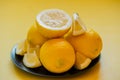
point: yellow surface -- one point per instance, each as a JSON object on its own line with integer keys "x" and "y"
{"x": 16, "y": 16}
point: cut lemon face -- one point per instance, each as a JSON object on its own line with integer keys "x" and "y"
{"x": 78, "y": 27}
{"x": 21, "y": 48}
{"x": 31, "y": 60}
{"x": 53, "y": 23}
{"x": 81, "y": 61}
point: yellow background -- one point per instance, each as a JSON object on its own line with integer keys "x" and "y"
{"x": 16, "y": 16}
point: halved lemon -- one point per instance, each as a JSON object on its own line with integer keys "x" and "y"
{"x": 53, "y": 23}
{"x": 78, "y": 26}
{"x": 31, "y": 60}
{"x": 81, "y": 61}
{"x": 21, "y": 47}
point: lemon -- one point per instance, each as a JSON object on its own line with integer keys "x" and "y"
{"x": 89, "y": 43}
{"x": 31, "y": 48}
{"x": 53, "y": 23}
{"x": 78, "y": 26}
{"x": 21, "y": 47}
{"x": 34, "y": 37}
{"x": 31, "y": 60}
{"x": 81, "y": 61}
{"x": 57, "y": 55}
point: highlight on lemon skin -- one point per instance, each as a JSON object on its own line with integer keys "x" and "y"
{"x": 53, "y": 23}
{"x": 57, "y": 55}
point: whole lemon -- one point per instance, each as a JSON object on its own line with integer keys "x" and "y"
{"x": 57, "y": 55}
{"x": 34, "y": 37}
{"x": 89, "y": 43}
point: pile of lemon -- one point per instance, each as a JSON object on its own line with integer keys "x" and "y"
{"x": 58, "y": 42}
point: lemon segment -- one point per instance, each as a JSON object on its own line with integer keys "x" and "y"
{"x": 81, "y": 61}
{"x": 31, "y": 48}
{"x": 53, "y": 23}
{"x": 31, "y": 60}
{"x": 21, "y": 48}
{"x": 78, "y": 26}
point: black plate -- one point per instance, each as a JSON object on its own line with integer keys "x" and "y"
{"x": 41, "y": 71}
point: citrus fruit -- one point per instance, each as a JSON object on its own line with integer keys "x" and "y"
{"x": 31, "y": 48}
{"x": 81, "y": 61}
{"x": 21, "y": 47}
{"x": 89, "y": 43}
{"x": 31, "y": 60}
{"x": 57, "y": 55}
{"x": 78, "y": 26}
{"x": 53, "y": 23}
{"x": 34, "y": 37}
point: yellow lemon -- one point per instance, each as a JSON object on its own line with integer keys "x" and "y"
{"x": 31, "y": 60}
{"x": 57, "y": 55}
{"x": 81, "y": 61}
{"x": 78, "y": 26}
{"x": 21, "y": 47}
{"x": 53, "y": 23}
{"x": 31, "y": 48}
{"x": 89, "y": 43}
{"x": 34, "y": 37}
